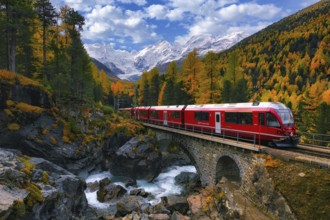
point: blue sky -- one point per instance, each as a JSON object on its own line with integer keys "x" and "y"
{"x": 135, "y": 24}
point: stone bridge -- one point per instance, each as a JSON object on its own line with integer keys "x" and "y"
{"x": 213, "y": 157}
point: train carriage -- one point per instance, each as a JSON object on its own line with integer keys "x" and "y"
{"x": 268, "y": 122}
{"x": 141, "y": 113}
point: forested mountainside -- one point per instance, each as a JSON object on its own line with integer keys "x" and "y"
{"x": 39, "y": 43}
{"x": 288, "y": 61}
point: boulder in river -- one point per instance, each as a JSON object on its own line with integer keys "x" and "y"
{"x": 128, "y": 204}
{"x": 176, "y": 203}
{"x": 189, "y": 181}
{"x": 110, "y": 192}
{"x": 139, "y": 158}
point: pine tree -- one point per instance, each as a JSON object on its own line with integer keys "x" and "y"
{"x": 46, "y": 13}
{"x": 227, "y": 91}
{"x": 192, "y": 68}
{"x": 212, "y": 74}
{"x": 322, "y": 119}
{"x": 154, "y": 86}
{"x": 17, "y": 20}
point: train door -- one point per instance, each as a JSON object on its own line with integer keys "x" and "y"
{"x": 165, "y": 117}
{"x": 218, "y": 122}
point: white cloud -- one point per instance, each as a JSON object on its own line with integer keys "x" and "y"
{"x": 306, "y": 3}
{"x": 175, "y": 15}
{"x": 235, "y": 12}
{"x": 247, "y": 17}
{"x": 137, "y": 2}
{"x": 156, "y": 11}
{"x": 106, "y": 21}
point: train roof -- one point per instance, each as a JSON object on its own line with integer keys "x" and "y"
{"x": 168, "y": 107}
{"x": 245, "y": 105}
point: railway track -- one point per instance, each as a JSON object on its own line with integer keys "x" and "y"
{"x": 322, "y": 152}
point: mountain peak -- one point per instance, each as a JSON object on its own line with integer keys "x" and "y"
{"x": 130, "y": 65}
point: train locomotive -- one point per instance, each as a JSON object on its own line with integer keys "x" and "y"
{"x": 270, "y": 123}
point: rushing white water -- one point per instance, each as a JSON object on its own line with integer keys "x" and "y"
{"x": 163, "y": 185}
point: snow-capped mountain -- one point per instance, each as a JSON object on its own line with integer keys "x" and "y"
{"x": 130, "y": 65}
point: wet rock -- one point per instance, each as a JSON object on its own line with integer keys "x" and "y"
{"x": 177, "y": 158}
{"x": 178, "y": 216}
{"x": 104, "y": 182}
{"x": 139, "y": 192}
{"x": 176, "y": 203}
{"x": 127, "y": 205}
{"x": 160, "y": 208}
{"x": 60, "y": 193}
{"x": 159, "y": 217}
{"x": 195, "y": 203}
{"x": 137, "y": 159}
{"x": 189, "y": 181}
{"x": 130, "y": 182}
{"x": 93, "y": 186}
{"x": 110, "y": 192}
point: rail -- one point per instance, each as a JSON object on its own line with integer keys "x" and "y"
{"x": 231, "y": 134}
{"x": 314, "y": 139}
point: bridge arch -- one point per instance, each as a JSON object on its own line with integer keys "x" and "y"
{"x": 228, "y": 166}
{"x": 212, "y": 160}
{"x": 166, "y": 139}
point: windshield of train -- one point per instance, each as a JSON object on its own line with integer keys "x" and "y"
{"x": 286, "y": 117}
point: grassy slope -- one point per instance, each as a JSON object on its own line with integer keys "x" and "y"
{"x": 309, "y": 195}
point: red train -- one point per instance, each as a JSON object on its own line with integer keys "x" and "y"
{"x": 270, "y": 123}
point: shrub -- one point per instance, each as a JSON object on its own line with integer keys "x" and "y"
{"x": 24, "y": 107}
{"x": 13, "y": 127}
{"x": 12, "y": 78}
{"x": 53, "y": 140}
{"x": 66, "y": 139}
{"x": 19, "y": 209}
{"x": 9, "y": 113}
{"x": 35, "y": 194}
{"x": 44, "y": 177}
{"x": 74, "y": 128}
{"x": 28, "y": 166}
{"x": 45, "y": 131}
{"x": 10, "y": 103}
{"x": 108, "y": 110}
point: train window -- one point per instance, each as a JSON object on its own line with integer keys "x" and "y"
{"x": 201, "y": 116}
{"x": 239, "y": 118}
{"x": 175, "y": 114}
{"x": 143, "y": 113}
{"x": 286, "y": 117}
{"x": 245, "y": 118}
{"x": 231, "y": 117}
{"x": 272, "y": 120}
{"x": 154, "y": 114}
{"x": 261, "y": 118}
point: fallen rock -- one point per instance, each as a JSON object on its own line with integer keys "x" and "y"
{"x": 137, "y": 159}
{"x": 139, "y": 192}
{"x": 110, "y": 192}
{"x": 93, "y": 186}
{"x": 178, "y": 216}
{"x": 189, "y": 181}
{"x": 127, "y": 205}
{"x": 176, "y": 203}
{"x": 195, "y": 203}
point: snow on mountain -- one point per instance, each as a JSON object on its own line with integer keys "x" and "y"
{"x": 130, "y": 65}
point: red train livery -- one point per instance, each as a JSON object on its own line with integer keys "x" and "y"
{"x": 267, "y": 122}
